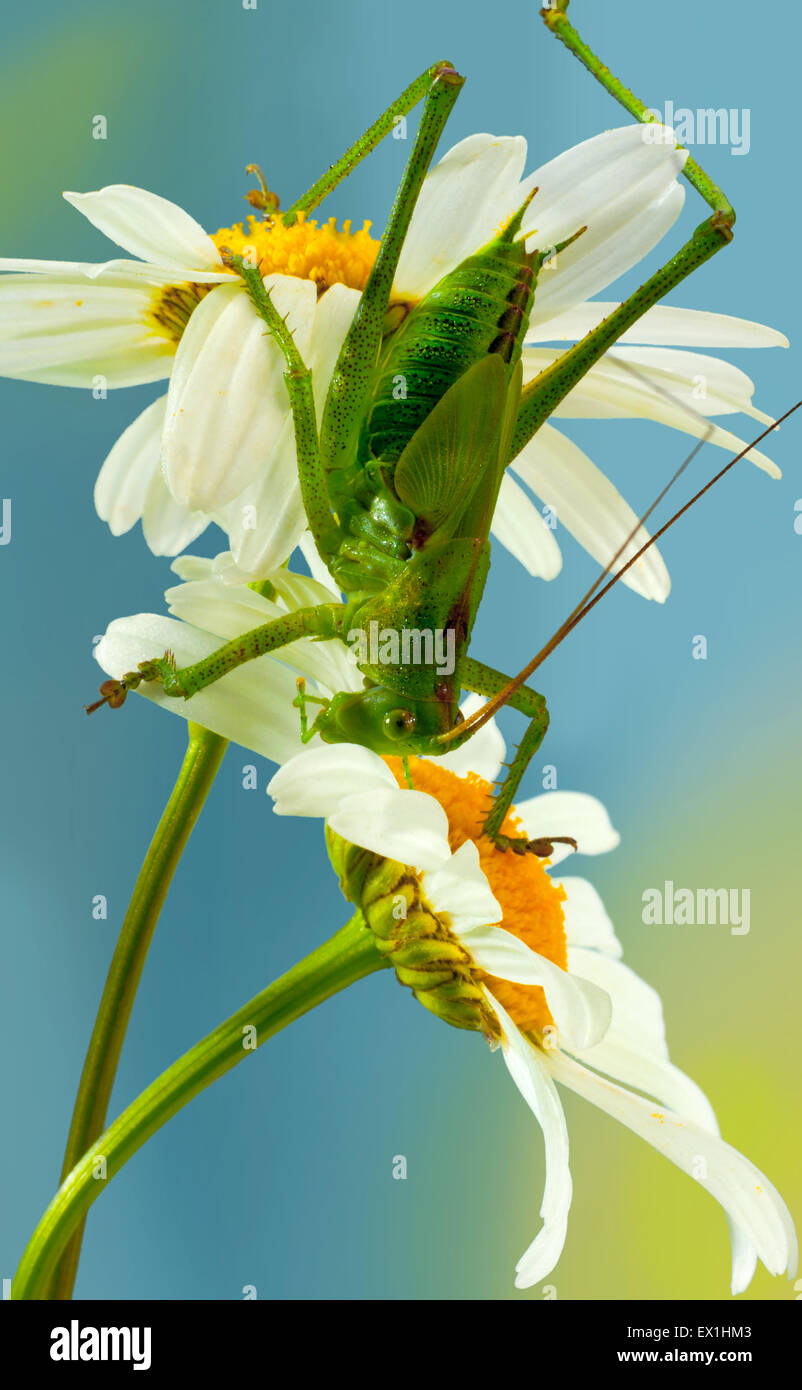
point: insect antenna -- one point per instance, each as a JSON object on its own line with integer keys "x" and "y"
{"x": 591, "y": 598}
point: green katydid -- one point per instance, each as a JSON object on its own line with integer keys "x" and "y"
{"x": 399, "y": 494}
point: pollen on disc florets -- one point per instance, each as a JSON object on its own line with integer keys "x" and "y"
{"x": 171, "y": 307}
{"x": 531, "y": 903}
{"x": 309, "y": 251}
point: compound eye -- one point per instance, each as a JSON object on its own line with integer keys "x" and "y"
{"x": 399, "y": 724}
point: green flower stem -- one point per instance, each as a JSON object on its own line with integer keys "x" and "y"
{"x": 198, "y": 771}
{"x": 348, "y": 956}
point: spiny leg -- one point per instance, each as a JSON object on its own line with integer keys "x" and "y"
{"x": 298, "y": 379}
{"x": 541, "y": 397}
{"x": 352, "y": 377}
{"x": 484, "y": 680}
{"x": 323, "y": 621}
{"x": 364, "y": 145}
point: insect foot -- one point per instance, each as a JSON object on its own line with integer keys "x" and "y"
{"x": 542, "y": 847}
{"x": 114, "y": 692}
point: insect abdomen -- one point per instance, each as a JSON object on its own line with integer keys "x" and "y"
{"x": 483, "y": 306}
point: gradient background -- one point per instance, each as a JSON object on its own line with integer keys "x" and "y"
{"x": 281, "y": 1175}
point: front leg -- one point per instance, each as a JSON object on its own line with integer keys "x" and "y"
{"x": 323, "y": 621}
{"x": 484, "y": 680}
{"x": 540, "y": 397}
{"x": 298, "y": 380}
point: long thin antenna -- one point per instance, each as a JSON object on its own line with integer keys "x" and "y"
{"x": 475, "y": 721}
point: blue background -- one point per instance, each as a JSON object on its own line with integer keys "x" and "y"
{"x": 280, "y": 1176}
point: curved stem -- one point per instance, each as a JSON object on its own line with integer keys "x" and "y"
{"x": 349, "y": 955}
{"x": 198, "y": 771}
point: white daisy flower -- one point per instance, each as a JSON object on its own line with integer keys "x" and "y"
{"x": 220, "y": 445}
{"x": 561, "y": 1002}
{"x": 253, "y": 706}
{"x": 537, "y": 957}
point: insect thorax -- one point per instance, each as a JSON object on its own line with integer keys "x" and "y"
{"x": 481, "y": 307}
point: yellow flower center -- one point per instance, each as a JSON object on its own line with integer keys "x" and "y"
{"x": 308, "y": 251}
{"x": 171, "y": 306}
{"x": 530, "y": 902}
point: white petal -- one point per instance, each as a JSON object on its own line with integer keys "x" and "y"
{"x": 580, "y": 1009}
{"x": 743, "y": 1191}
{"x": 586, "y": 920}
{"x": 588, "y": 505}
{"x": 228, "y": 399}
{"x": 251, "y": 706}
{"x": 148, "y": 226}
{"x": 668, "y": 1085}
{"x": 61, "y": 330}
{"x": 231, "y": 609}
{"x": 267, "y": 520}
{"x": 460, "y": 890}
{"x": 464, "y": 200}
{"x": 637, "y": 1007}
{"x": 317, "y": 569}
{"x": 540, "y": 1093}
{"x": 575, "y": 814}
{"x": 707, "y": 385}
{"x": 167, "y": 526}
{"x": 521, "y": 529}
{"x": 122, "y": 274}
{"x": 662, "y": 325}
{"x": 318, "y": 780}
{"x": 484, "y": 751}
{"x": 609, "y": 391}
{"x": 123, "y": 481}
{"x": 624, "y": 190}
{"x": 405, "y": 825}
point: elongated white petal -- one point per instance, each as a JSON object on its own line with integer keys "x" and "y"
{"x": 464, "y": 200}
{"x": 151, "y": 273}
{"x": 148, "y": 226}
{"x": 664, "y": 1081}
{"x": 743, "y": 1191}
{"x": 588, "y": 505}
{"x": 707, "y": 385}
{"x": 267, "y": 520}
{"x": 460, "y": 890}
{"x": 231, "y": 609}
{"x": 483, "y": 753}
{"x": 521, "y": 529}
{"x": 227, "y": 399}
{"x": 251, "y": 706}
{"x": 580, "y": 1009}
{"x": 405, "y": 825}
{"x": 123, "y": 481}
{"x": 586, "y": 920}
{"x": 663, "y": 325}
{"x": 575, "y": 814}
{"x": 637, "y": 1007}
{"x": 317, "y": 569}
{"x": 538, "y": 1090}
{"x": 61, "y": 330}
{"x": 317, "y": 781}
{"x": 609, "y": 391}
{"x": 299, "y": 590}
{"x": 167, "y": 526}
{"x": 624, "y": 190}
